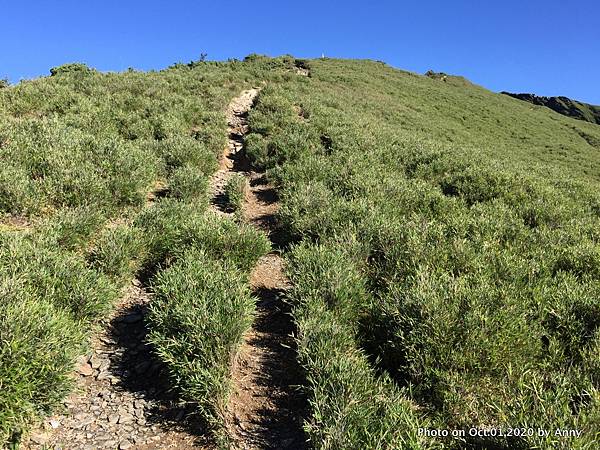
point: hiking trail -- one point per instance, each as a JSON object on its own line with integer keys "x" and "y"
{"x": 122, "y": 397}
{"x": 266, "y": 406}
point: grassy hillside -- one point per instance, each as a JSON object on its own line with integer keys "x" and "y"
{"x": 104, "y": 176}
{"x": 447, "y": 261}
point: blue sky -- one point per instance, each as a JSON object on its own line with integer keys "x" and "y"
{"x": 549, "y": 47}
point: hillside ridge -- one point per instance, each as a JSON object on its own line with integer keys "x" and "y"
{"x": 562, "y": 105}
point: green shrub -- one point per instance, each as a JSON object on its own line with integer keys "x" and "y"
{"x": 351, "y": 406}
{"x": 173, "y": 227}
{"x": 118, "y": 252}
{"x": 62, "y": 279}
{"x": 72, "y": 68}
{"x": 235, "y": 191}
{"x": 180, "y": 151}
{"x": 70, "y": 228}
{"x": 197, "y": 318}
{"x": 39, "y": 345}
{"x": 189, "y": 183}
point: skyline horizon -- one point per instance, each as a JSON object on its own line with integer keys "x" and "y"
{"x": 208, "y": 59}
{"x": 541, "y": 47}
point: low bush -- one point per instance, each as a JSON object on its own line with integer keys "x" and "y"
{"x": 235, "y": 191}
{"x": 189, "y": 183}
{"x": 62, "y": 279}
{"x": 173, "y": 228}
{"x": 352, "y": 407}
{"x": 180, "y": 151}
{"x": 72, "y": 68}
{"x": 200, "y": 311}
{"x": 39, "y": 343}
{"x": 118, "y": 252}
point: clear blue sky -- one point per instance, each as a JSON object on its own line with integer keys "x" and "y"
{"x": 549, "y": 47}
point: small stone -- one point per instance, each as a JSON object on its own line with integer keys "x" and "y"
{"x": 139, "y": 404}
{"x": 124, "y": 444}
{"x": 39, "y": 439}
{"x": 87, "y": 421}
{"x": 84, "y": 369}
{"x": 104, "y": 365}
{"x": 113, "y": 418}
{"x": 95, "y": 362}
{"x": 54, "y": 423}
{"x": 103, "y": 376}
{"x": 125, "y": 418}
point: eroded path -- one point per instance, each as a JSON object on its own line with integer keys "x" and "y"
{"x": 266, "y": 406}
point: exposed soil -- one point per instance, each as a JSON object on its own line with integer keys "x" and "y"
{"x": 237, "y": 113}
{"x": 15, "y": 223}
{"x": 266, "y": 406}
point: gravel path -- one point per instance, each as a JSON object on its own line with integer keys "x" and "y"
{"x": 121, "y": 399}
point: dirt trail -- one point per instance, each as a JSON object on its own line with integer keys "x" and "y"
{"x": 266, "y": 407}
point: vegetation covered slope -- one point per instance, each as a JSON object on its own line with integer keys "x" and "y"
{"x": 103, "y": 176}
{"x": 563, "y": 105}
{"x": 446, "y": 258}
{"x": 447, "y": 266}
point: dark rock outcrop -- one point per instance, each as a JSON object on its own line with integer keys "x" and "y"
{"x": 563, "y": 105}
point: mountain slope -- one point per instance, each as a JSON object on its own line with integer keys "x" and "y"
{"x": 441, "y": 243}
{"x": 447, "y": 259}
